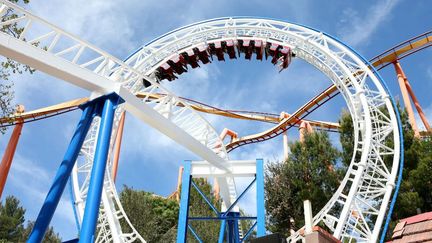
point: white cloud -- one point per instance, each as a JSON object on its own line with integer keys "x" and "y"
{"x": 358, "y": 27}
{"x": 95, "y": 21}
{"x": 34, "y": 174}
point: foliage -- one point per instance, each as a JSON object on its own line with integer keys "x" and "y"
{"x": 310, "y": 172}
{"x": 346, "y": 131}
{"x": 50, "y": 235}
{"x": 9, "y": 66}
{"x": 11, "y": 220}
{"x": 12, "y": 224}
{"x": 208, "y": 231}
{"x": 6, "y": 97}
{"x": 416, "y": 189}
{"x": 154, "y": 217}
{"x": 421, "y": 178}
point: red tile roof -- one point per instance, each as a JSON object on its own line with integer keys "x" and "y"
{"x": 414, "y": 229}
{"x": 418, "y": 218}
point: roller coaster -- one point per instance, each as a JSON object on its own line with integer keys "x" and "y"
{"x": 356, "y": 211}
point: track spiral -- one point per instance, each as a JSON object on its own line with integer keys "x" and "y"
{"x": 356, "y": 210}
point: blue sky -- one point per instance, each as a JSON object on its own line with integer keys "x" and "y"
{"x": 149, "y": 160}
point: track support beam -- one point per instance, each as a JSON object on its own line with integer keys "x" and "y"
{"x": 230, "y": 218}
{"x": 184, "y": 203}
{"x": 63, "y": 173}
{"x": 91, "y": 212}
{"x": 9, "y": 154}
{"x": 407, "y": 92}
{"x": 90, "y": 110}
{"x": 117, "y": 145}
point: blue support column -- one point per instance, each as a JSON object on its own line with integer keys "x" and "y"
{"x": 260, "y": 198}
{"x": 63, "y": 173}
{"x": 233, "y": 228}
{"x": 222, "y": 231}
{"x": 229, "y": 230}
{"x": 184, "y": 203}
{"x": 91, "y": 211}
{"x": 236, "y": 229}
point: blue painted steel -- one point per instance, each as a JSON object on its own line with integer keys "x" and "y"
{"x": 205, "y": 198}
{"x": 240, "y": 196}
{"x": 399, "y": 179}
{"x": 222, "y": 231}
{"x": 194, "y": 234}
{"x": 233, "y": 228}
{"x": 184, "y": 203}
{"x": 91, "y": 212}
{"x": 401, "y": 139}
{"x": 260, "y": 198}
{"x": 229, "y": 220}
{"x": 230, "y": 231}
{"x": 63, "y": 173}
{"x": 248, "y": 232}
{"x": 236, "y": 230}
{"x": 223, "y": 218}
{"x": 361, "y": 57}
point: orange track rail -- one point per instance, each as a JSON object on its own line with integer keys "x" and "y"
{"x": 201, "y": 107}
{"x": 396, "y": 53}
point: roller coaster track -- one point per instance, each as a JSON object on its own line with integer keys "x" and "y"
{"x": 72, "y": 105}
{"x": 402, "y": 50}
{"x": 63, "y": 55}
{"x": 357, "y": 209}
{"x": 42, "y": 113}
{"x": 380, "y": 61}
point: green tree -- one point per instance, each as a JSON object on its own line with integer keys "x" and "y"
{"x": 416, "y": 188}
{"x": 50, "y": 235}
{"x": 154, "y": 217}
{"x": 12, "y": 224}
{"x": 311, "y": 172}
{"x": 346, "y": 137}
{"x": 9, "y": 66}
{"x": 208, "y": 231}
{"x": 11, "y": 220}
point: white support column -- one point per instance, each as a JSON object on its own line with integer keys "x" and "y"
{"x": 285, "y": 145}
{"x": 308, "y": 216}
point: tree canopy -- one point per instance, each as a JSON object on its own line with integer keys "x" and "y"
{"x": 11, "y": 220}
{"x": 310, "y": 172}
{"x": 155, "y": 217}
{"x": 12, "y": 227}
{"x": 9, "y": 67}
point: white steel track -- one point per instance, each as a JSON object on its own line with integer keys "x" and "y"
{"x": 355, "y": 211}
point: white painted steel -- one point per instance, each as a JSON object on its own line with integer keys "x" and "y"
{"x": 239, "y": 168}
{"x": 355, "y": 211}
{"x": 364, "y": 193}
{"x": 99, "y": 72}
